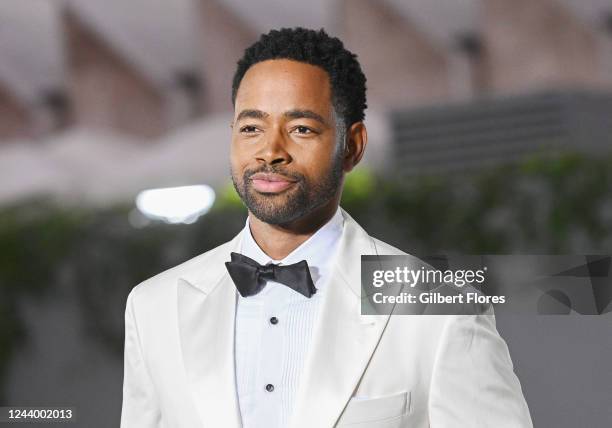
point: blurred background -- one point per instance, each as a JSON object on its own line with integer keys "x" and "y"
{"x": 490, "y": 125}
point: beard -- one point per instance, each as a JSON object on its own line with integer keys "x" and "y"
{"x": 297, "y": 201}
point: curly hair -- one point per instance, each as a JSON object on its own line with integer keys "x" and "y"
{"x": 348, "y": 83}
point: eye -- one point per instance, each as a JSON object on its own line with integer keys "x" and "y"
{"x": 303, "y": 130}
{"x": 248, "y": 129}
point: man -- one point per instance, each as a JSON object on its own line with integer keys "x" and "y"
{"x": 266, "y": 330}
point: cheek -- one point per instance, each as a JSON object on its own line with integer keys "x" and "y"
{"x": 318, "y": 163}
{"x": 237, "y": 168}
{"x": 234, "y": 149}
{"x": 238, "y": 155}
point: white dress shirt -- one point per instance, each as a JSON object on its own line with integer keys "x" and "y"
{"x": 274, "y": 327}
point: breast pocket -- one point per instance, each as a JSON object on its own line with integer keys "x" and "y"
{"x": 389, "y": 411}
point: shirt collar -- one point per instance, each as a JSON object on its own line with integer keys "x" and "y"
{"x": 316, "y": 250}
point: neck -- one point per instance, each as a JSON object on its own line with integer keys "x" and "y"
{"x": 278, "y": 241}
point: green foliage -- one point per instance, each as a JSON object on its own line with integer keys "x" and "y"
{"x": 358, "y": 187}
{"x": 561, "y": 205}
{"x": 544, "y": 205}
{"x": 228, "y": 198}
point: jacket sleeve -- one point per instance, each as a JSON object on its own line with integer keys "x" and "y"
{"x": 140, "y": 407}
{"x": 473, "y": 382}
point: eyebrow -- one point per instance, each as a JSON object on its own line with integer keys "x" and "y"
{"x": 291, "y": 114}
{"x": 305, "y": 114}
{"x": 253, "y": 114}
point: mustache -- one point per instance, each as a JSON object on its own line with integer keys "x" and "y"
{"x": 273, "y": 170}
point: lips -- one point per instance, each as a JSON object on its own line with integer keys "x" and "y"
{"x": 271, "y": 183}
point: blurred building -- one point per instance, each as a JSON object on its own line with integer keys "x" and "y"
{"x": 534, "y": 44}
{"x": 222, "y": 37}
{"x": 539, "y": 83}
{"x": 145, "y": 72}
{"x": 404, "y": 67}
{"x": 491, "y": 131}
{"x": 105, "y": 90}
{"x": 14, "y": 121}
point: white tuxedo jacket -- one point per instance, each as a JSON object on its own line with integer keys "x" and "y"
{"x": 439, "y": 371}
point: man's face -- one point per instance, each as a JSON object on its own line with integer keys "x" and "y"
{"x": 285, "y": 160}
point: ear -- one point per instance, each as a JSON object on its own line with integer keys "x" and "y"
{"x": 356, "y": 141}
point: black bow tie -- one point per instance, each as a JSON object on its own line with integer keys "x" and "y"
{"x": 250, "y": 277}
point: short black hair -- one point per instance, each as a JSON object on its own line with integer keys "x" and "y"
{"x": 348, "y": 83}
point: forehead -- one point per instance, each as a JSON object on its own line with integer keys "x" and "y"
{"x": 282, "y": 85}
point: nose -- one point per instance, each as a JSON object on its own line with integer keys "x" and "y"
{"x": 274, "y": 149}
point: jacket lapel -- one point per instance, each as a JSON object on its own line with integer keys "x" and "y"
{"x": 342, "y": 343}
{"x": 206, "y": 309}
{"x": 343, "y": 340}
